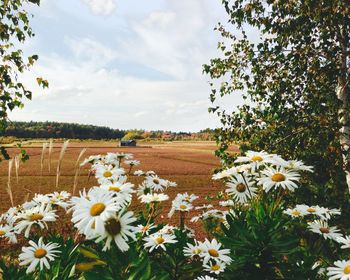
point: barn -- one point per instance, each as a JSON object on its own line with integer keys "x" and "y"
{"x": 127, "y": 143}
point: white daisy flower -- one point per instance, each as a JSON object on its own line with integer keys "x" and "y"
{"x": 194, "y": 251}
{"x": 156, "y": 240}
{"x": 63, "y": 195}
{"x": 138, "y": 173}
{"x": 107, "y": 173}
{"x": 180, "y": 205}
{"x": 241, "y": 188}
{"x": 38, "y": 254}
{"x": 156, "y": 183}
{"x": 59, "y": 198}
{"x": 321, "y": 227}
{"x": 212, "y": 252}
{"x": 295, "y": 212}
{"x": 186, "y": 197}
{"x": 116, "y": 158}
{"x": 144, "y": 229}
{"x": 341, "y": 271}
{"x": 118, "y": 228}
{"x": 215, "y": 268}
{"x": 41, "y": 199}
{"x": 91, "y": 159}
{"x": 38, "y": 215}
{"x": 167, "y": 229}
{"x": 257, "y": 159}
{"x": 312, "y": 210}
{"x": 156, "y": 197}
{"x": 92, "y": 211}
{"x": 345, "y": 241}
{"x": 297, "y": 165}
{"x": 233, "y": 171}
{"x": 279, "y": 177}
{"x": 7, "y": 232}
{"x": 122, "y": 190}
{"x": 132, "y": 162}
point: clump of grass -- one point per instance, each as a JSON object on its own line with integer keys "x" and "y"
{"x": 50, "y": 153}
{"x": 77, "y": 170}
{"x": 60, "y": 159}
{"x": 9, "y": 188}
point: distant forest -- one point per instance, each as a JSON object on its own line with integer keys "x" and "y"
{"x": 81, "y": 131}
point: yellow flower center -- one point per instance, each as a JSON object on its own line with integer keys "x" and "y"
{"x": 241, "y": 187}
{"x": 36, "y": 217}
{"x": 183, "y": 207}
{"x": 196, "y": 251}
{"x": 324, "y": 230}
{"x": 97, "y": 209}
{"x": 2, "y": 233}
{"x": 311, "y": 210}
{"x": 215, "y": 267}
{"x": 40, "y": 253}
{"x": 347, "y": 270}
{"x": 113, "y": 227}
{"x": 214, "y": 253}
{"x": 278, "y": 177}
{"x": 107, "y": 174}
{"x": 115, "y": 189}
{"x": 160, "y": 240}
{"x": 296, "y": 213}
{"x": 257, "y": 158}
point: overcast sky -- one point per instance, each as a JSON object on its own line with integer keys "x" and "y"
{"x": 124, "y": 63}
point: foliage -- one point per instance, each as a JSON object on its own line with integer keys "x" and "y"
{"x": 292, "y": 71}
{"x": 14, "y": 30}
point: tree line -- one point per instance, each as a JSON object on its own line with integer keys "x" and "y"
{"x": 48, "y": 129}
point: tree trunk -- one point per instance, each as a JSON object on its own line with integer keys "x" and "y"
{"x": 343, "y": 94}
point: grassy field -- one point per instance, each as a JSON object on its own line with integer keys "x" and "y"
{"x": 190, "y": 164}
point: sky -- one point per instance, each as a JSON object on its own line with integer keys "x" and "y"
{"x": 126, "y": 64}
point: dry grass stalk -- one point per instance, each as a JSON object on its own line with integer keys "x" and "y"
{"x": 77, "y": 170}
{"x": 9, "y": 189}
{"x": 50, "y": 153}
{"x": 60, "y": 159}
{"x": 45, "y": 145}
{"x": 26, "y": 198}
{"x": 17, "y": 163}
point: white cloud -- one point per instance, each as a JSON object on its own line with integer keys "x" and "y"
{"x": 101, "y": 7}
{"x": 90, "y": 50}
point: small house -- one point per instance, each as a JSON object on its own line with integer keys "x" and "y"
{"x": 127, "y": 143}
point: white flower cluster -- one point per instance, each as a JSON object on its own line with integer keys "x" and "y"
{"x": 35, "y": 214}
{"x": 259, "y": 169}
{"x": 182, "y": 203}
{"x": 214, "y": 259}
{"x": 321, "y": 227}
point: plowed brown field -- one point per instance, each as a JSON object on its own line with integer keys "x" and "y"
{"x": 190, "y": 164}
